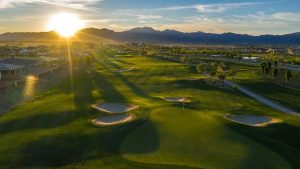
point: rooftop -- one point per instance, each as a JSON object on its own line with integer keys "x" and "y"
{"x": 19, "y": 61}
{"x": 4, "y": 66}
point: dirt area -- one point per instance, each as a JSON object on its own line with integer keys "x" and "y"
{"x": 252, "y": 120}
{"x": 177, "y": 99}
{"x": 113, "y": 120}
{"x": 114, "y": 107}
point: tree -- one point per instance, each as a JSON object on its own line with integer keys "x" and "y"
{"x": 288, "y": 75}
{"x": 263, "y": 66}
{"x": 275, "y": 72}
{"x": 183, "y": 59}
{"x": 221, "y": 77}
{"x": 212, "y": 73}
{"x": 87, "y": 60}
{"x": 275, "y": 63}
{"x": 200, "y": 68}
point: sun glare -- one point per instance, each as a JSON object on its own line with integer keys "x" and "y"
{"x": 65, "y": 24}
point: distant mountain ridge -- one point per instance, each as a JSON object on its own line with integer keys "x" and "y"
{"x": 150, "y": 35}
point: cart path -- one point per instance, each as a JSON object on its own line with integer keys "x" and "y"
{"x": 263, "y": 100}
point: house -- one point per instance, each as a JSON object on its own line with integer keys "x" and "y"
{"x": 14, "y": 68}
{"x": 270, "y": 51}
{"x": 290, "y": 51}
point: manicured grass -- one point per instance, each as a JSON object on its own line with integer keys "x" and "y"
{"x": 54, "y": 131}
{"x": 196, "y": 138}
{"x": 283, "y": 95}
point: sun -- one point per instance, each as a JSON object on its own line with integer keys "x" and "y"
{"x": 66, "y": 24}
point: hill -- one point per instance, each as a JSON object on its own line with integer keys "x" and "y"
{"x": 150, "y": 35}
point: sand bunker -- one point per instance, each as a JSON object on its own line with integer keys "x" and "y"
{"x": 252, "y": 120}
{"x": 114, "y": 107}
{"x": 178, "y": 99}
{"x": 113, "y": 120}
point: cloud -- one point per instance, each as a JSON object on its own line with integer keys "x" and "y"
{"x": 212, "y": 8}
{"x": 287, "y": 16}
{"x": 75, "y": 4}
{"x": 105, "y": 20}
{"x": 149, "y": 17}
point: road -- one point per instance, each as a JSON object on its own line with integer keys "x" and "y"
{"x": 255, "y": 96}
{"x": 263, "y": 100}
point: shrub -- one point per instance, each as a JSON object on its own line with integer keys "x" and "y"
{"x": 221, "y": 77}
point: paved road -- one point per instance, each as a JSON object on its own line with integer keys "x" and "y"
{"x": 263, "y": 100}
{"x": 257, "y": 97}
{"x": 291, "y": 67}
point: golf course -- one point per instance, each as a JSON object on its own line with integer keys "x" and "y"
{"x": 55, "y": 129}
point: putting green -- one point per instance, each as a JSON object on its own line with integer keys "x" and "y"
{"x": 198, "y": 139}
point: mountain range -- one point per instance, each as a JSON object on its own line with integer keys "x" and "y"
{"x": 150, "y": 35}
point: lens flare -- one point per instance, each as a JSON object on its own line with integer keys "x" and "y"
{"x": 30, "y": 84}
{"x": 65, "y": 24}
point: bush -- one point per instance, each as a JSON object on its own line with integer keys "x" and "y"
{"x": 221, "y": 77}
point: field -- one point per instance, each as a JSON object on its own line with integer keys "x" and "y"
{"x": 55, "y": 131}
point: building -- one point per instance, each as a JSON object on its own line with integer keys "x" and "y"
{"x": 270, "y": 51}
{"x": 14, "y": 68}
{"x": 290, "y": 51}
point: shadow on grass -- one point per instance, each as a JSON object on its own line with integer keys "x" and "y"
{"x": 201, "y": 84}
{"x": 138, "y": 91}
{"x": 282, "y": 95}
{"x": 145, "y": 140}
{"x": 39, "y": 121}
{"x": 76, "y": 148}
{"x": 88, "y": 81}
{"x": 108, "y": 91}
{"x": 282, "y": 138}
{"x": 108, "y": 64}
{"x": 82, "y": 90}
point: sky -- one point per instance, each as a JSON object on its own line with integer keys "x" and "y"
{"x": 254, "y": 17}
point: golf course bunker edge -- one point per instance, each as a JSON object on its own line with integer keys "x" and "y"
{"x": 177, "y": 99}
{"x": 114, "y": 107}
{"x": 113, "y": 120}
{"x": 252, "y": 120}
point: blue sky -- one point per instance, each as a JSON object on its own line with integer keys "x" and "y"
{"x": 215, "y": 16}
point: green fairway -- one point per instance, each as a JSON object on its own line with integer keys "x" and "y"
{"x": 283, "y": 95}
{"x": 55, "y": 130}
{"x": 195, "y": 138}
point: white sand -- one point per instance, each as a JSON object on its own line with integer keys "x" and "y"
{"x": 114, "y": 107}
{"x": 113, "y": 120}
{"x": 178, "y": 99}
{"x": 252, "y": 120}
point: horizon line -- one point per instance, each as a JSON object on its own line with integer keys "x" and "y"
{"x": 1, "y": 33}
